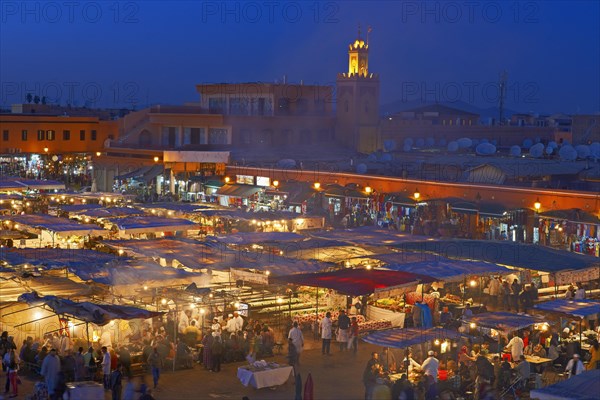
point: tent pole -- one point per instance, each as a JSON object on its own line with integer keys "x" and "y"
{"x": 87, "y": 333}
{"x": 317, "y": 308}
{"x": 175, "y": 337}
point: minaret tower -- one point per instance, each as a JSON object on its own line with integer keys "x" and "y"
{"x": 357, "y": 107}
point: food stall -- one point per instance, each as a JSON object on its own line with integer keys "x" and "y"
{"x": 584, "y": 386}
{"x": 581, "y": 309}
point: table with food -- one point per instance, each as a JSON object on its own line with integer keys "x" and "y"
{"x": 261, "y": 374}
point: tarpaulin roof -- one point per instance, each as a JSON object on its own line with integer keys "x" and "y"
{"x": 449, "y": 269}
{"x": 585, "y": 386}
{"x": 99, "y": 314}
{"x": 356, "y": 282}
{"x": 257, "y": 237}
{"x": 249, "y": 216}
{"x": 58, "y": 258}
{"x": 22, "y": 184}
{"x": 401, "y": 338}
{"x": 538, "y": 258}
{"x": 11, "y": 289}
{"x": 366, "y": 235}
{"x": 198, "y": 255}
{"x": 61, "y": 226}
{"x": 77, "y": 208}
{"x": 135, "y": 173}
{"x": 504, "y": 321}
{"x": 577, "y": 308}
{"x": 236, "y": 190}
{"x": 573, "y": 214}
{"x": 111, "y": 212}
{"x": 178, "y": 207}
{"x": 133, "y": 225}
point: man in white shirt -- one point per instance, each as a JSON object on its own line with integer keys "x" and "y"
{"x": 410, "y": 364}
{"x": 325, "y": 326}
{"x": 216, "y": 327}
{"x": 516, "y": 347}
{"x": 298, "y": 339}
{"x": 574, "y": 366}
{"x": 238, "y": 320}
{"x": 430, "y": 366}
{"x": 230, "y": 327}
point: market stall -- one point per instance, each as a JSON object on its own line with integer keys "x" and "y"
{"x": 584, "y": 310}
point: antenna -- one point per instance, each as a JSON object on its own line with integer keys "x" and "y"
{"x": 502, "y": 94}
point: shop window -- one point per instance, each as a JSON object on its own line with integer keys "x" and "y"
{"x": 66, "y": 135}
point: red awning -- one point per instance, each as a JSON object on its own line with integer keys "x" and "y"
{"x": 355, "y": 282}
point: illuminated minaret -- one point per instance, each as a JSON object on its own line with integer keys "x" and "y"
{"x": 358, "y": 101}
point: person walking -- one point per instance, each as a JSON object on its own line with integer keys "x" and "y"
{"x": 50, "y": 371}
{"x": 13, "y": 368}
{"x": 516, "y": 291}
{"x": 116, "y": 382}
{"x": 296, "y": 335}
{"x": 343, "y": 330}
{"x": 156, "y": 362}
{"x": 217, "y": 353}
{"x": 325, "y": 327}
{"x": 106, "y": 367}
{"x": 353, "y": 343}
{"x": 79, "y": 365}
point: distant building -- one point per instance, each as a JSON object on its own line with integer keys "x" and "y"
{"x": 51, "y": 134}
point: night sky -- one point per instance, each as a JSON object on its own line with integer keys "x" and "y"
{"x": 115, "y": 54}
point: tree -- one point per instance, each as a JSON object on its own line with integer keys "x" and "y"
{"x": 29, "y": 97}
{"x": 43, "y": 99}
{"x": 36, "y": 99}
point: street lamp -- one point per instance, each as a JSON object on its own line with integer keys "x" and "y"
{"x": 98, "y": 154}
{"x": 156, "y": 158}
{"x": 416, "y": 194}
{"x": 317, "y": 185}
{"x": 368, "y": 190}
{"x": 537, "y": 205}
{"x": 227, "y": 179}
{"x": 276, "y": 183}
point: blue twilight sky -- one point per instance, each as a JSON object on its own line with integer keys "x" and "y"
{"x": 119, "y": 53}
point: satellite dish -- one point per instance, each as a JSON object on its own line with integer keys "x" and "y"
{"x": 537, "y": 150}
{"x": 549, "y": 150}
{"x": 430, "y": 142}
{"x": 420, "y": 143}
{"x": 453, "y": 146}
{"x": 464, "y": 143}
{"x": 286, "y": 163}
{"x": 515, "y": 151}
{"x": 567, "y": 153}
{"x": 552, "y": 144}
{"x": 485, "y": 149}
{"x": 389, "y": 145}
{"x": 527, "y": 143}
{"x": 583, "y": 151}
